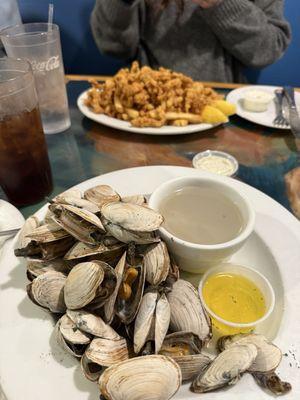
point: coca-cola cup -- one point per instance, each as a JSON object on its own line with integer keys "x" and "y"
{"x": 25, "y": 174}
{"x": 39, "y": 43}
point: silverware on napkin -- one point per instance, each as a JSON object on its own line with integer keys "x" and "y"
{"x": 294, "y": 118}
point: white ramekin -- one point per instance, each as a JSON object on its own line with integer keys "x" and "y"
{"x": 197, "y": 258}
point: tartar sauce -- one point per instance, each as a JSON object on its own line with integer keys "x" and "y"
{"x": 215, "y": 164}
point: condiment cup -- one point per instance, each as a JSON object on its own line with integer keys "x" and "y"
{"x": 221, "y": 154}
{"x": 197, "y": 258}
{"x": 230, "y": 328}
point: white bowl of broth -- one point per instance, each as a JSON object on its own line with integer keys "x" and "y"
{"x": 205, "y": 220}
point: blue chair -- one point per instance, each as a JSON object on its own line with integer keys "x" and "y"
{"x": 81, "y": 55}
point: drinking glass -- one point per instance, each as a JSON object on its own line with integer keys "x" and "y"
{"x": 25, "y": 174}
{"x": 39, "y": 43}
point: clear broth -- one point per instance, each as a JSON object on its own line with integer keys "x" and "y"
{"x": 201, "y": 215}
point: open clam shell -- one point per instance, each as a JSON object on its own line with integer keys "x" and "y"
{"x": 109, "y": 307}
{"x": 132, "y": 217}
{"x": 162, "y": 321}
{"x": 100, "y": 252}
{"x": 138, "y": 199}
{"x": 29, "y": 226}
{"x": 226, "y": 368}
{"x": 268, "y": 355}
{"x": 82, "y": 284}
{"x": 70, "y": 338}
{"x": 77, "y": 202}
{"x": 105, "y": 289}
{"x": 107, "y": 352}
{"x": 144, "y": 320}
{"x": 272, "y": 382}
{"x": 151, "y": 377}
{"x": 181, "y": 344}
{"x": 126, "y": 310}
{"x": 92, "y": 324}
{"x": 81, "y": 224}
{"x": 47, "y": 290}
{"x": 39, "y": 267}
{"x": 187, "y": 311}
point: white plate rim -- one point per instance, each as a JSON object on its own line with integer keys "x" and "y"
{"x": 125, "y": 126}
{"x": 235, "y": 95}
{"x": 266, "y": 205}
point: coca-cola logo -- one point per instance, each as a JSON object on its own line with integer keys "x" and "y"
{"x": 49, "y": 65}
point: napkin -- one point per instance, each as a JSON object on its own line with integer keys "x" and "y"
{"x": 10, "y": 218}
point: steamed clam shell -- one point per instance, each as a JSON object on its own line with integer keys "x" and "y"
{"x": 151, "y": 377}
{"x": 83, "y": 283}
{"x": 77, "y": 202}
{"x": 226, "y": 369}
{"x": 181, "y": 344}
{"x": 29, "y": 226}
{"x": 187, "y": 311}
{"x": 191, "y": 365}
{"x": 81, "y": 224}
{"x": 102, "y": 252}
{"x": 272, "y": 382}
{"x": 70, "y": 337}
{"x": 39, "y": 267}
{"x": 132, "y": 217}
{"x": 268, "y": 355}
{"x": 101, "y": 194}
{"x": 157, "y": 263}
{"x": 138, "y": 199}
{"x": 92, "y": 324}
{"x": 47, "y": 290}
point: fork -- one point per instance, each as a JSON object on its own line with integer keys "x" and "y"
{"x": 280, "y": 121}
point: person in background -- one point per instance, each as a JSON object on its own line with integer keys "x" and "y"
{"x": 9, "y": 16}
{"x": 209, "y": 40}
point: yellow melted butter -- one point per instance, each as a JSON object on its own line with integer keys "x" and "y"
{"x": 234, "y": 298}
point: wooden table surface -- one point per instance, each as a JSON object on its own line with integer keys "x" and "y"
{"x": 268, "y": 158}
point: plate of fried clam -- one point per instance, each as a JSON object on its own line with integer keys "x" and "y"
{"x": 155, "y": 102}
{"x": 108, "y": 311}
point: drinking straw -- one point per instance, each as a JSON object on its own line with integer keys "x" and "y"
{"x": 50, "y": 16}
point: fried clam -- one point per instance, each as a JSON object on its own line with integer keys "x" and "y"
{"x": 92, "y": 324}
{"x": 152, "y": 377}
{"x": 29, "y": 226}
{"x": 226, "y": 369}
{"x": 81, "y": 224}
{"x": 103, "y": 252}
{"x": 47, "y": 291}
{"x": 187, "y": 311}
{"x": 268, "y": 358}
{"x": 39, "y": 267}
{"x": 70, "y": 338}
{"x": 103, "y": 353}
{"x": 46, "y": 242}
{"x": 131, "y": 289}
{"x": 101, "y": 194}
{"x": 157, "y": 263}
{"x": 132, "y": 217}
{"x": 268, "y": 355}
{"x": 152, "y": 321}
{"x": 88, "y": 282}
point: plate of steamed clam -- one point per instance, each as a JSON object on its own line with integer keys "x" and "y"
{"x": 152, "y": 283}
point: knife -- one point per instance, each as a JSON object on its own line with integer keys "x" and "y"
{"x": 294, "y": 118}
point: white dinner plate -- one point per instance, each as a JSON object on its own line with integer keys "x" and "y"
{"x": 125, "y": 126}
{"x": 33, "y": 367}
{"x": 10, "y": 218}
{"x": 262, "y": 118}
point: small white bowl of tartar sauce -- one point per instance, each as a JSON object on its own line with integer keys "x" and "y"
{"x": 217, "y": 162}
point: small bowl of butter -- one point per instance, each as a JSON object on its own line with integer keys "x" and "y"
{"x": 217, "y": 162}
{"x": 237, "y": 298}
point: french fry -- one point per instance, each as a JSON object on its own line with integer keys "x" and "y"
{"x": 191, "y": 118}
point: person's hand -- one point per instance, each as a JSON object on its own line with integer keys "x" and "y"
{"x": 207, "y": 3}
